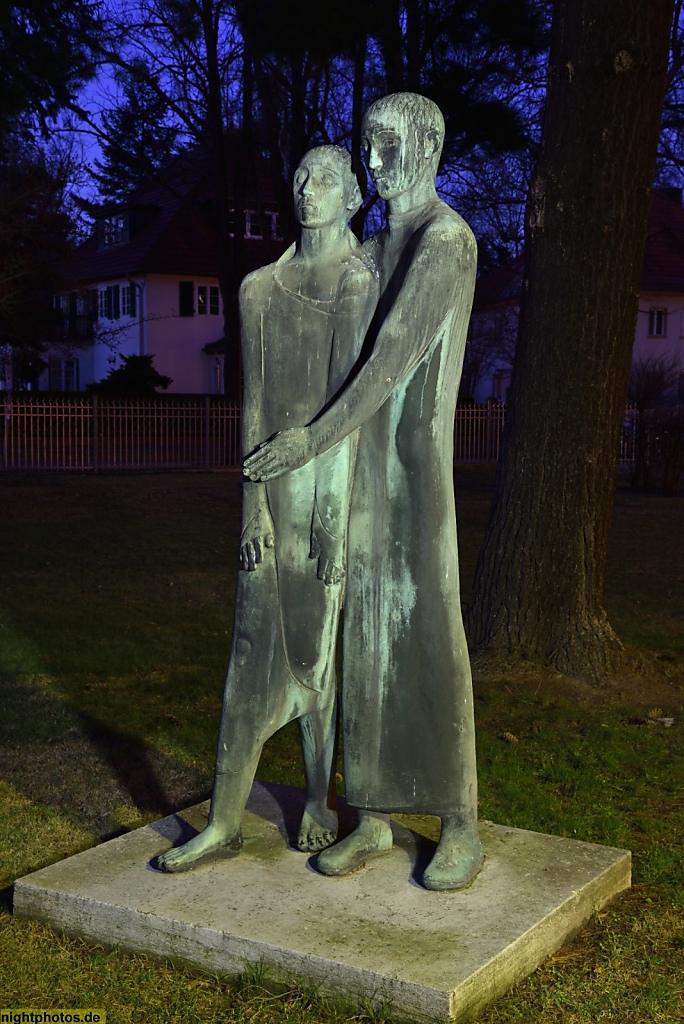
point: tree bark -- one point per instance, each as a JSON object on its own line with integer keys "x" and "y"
{"x": 360, "y": 53}
{"x": 539, "y": 586}
{"x": 214, "y": 141}
{"x": 392, "y": 47}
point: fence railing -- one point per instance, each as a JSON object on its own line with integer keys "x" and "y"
{"x": 477, "y": 432}
{"x": 478, "y": 429}
{"x": 91, "y": 432}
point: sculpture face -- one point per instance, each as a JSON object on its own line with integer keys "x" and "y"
{"x": 393, "y": 157}
{"x": 320, "y": 191}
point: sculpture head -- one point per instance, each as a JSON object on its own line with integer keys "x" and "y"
{"x": 325, "y": 188}
{"x": 402, "y": 136}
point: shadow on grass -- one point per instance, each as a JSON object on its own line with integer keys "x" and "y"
{"x": 98, "y": 777}
{"x": 131, "y": 764}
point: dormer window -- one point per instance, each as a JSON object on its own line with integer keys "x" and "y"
{"x": 113, "y": 230}
{"x": 271, "y": 222}
{"x": 258, "y": 224}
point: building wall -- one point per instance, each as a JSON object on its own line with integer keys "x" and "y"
{"x": 670, "y": 344}
{"x": 648, "y": 343}
{"x": 176, "y": 342}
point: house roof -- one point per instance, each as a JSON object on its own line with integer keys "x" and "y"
{"x": 171, "y": 230}
{"x": 662, "y": 271}
{"x": 500, "y": 286}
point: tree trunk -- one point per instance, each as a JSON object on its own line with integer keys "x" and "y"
{"x": 392, "y": 47}
{"x": 539, "y": 586}
{"x": 360, "y": 53}
{"x": 214, "y": 139}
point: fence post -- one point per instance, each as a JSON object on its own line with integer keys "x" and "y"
{"x": 95, "y": 458}
{"x": 207, "y": 442}
{"x": 5, "y": 434}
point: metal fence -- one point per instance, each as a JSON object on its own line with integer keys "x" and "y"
{"x": 477, "y": 432}
{"x": 91, "y": 432}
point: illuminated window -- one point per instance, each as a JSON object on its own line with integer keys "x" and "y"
{"x": 114, "y": 230}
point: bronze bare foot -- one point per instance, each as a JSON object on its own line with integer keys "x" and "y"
{"x": 372, "y": 838}
{"x": 317, "y": 830}
{"x": 211, "y": 844}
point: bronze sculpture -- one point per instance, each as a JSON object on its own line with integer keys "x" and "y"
{"x": 407, "y": 694}
{"x": 303, "y": 321}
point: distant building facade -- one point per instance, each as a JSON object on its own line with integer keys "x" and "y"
{"x": 659, "y": 332}
{"x": 145, "y": 282}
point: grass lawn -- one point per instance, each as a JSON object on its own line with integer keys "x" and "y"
{"x": 115, "y": 617}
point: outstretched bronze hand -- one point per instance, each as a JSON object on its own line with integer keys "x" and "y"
{"x": 286, "y": 451}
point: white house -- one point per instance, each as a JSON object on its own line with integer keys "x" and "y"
{"x": 146, "y": 282}
{"x": 659, "y": 334}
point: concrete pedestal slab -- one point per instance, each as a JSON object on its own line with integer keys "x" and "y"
{"x": 375, "y": 935}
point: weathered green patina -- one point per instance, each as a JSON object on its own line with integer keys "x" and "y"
{"x": 303, "y": 321}
{"x": 407, "y": 693}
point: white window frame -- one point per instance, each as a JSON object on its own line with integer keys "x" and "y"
{"x": 272, "y": 219}
{"x": 657, "y": 322}
{"x": 114, "y": 230}
{"x": 253, "y": 226}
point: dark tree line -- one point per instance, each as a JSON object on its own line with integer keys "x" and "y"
{"x": 48, "y": 49}
{"x": 289, "y": 81}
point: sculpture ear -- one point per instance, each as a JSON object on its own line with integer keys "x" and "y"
{"x": 355, "y": 199}
{"x": 431, "y": 142}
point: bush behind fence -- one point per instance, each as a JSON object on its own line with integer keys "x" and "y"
{"x": 87, "y": 432}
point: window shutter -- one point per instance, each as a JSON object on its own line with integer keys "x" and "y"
{"x": 112, "y": 303}
{"x": 186, "y": 298}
